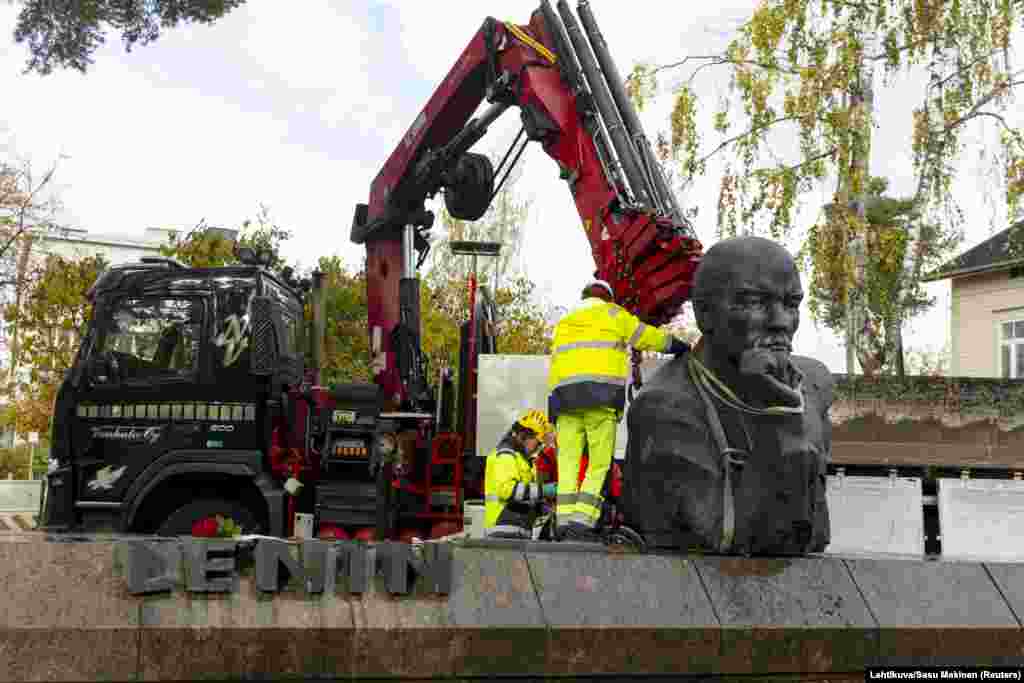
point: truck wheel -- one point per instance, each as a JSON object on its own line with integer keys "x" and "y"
{"x": 180, "y": 521}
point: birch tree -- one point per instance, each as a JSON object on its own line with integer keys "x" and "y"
{"x": 798, "y": 112}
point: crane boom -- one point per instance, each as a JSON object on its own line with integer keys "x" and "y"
{"x": 563, "y": 81}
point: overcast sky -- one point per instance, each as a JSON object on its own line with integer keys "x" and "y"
{"x": 298, "y": 110}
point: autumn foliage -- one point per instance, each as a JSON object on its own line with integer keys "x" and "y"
{"x": 48, "y": 324}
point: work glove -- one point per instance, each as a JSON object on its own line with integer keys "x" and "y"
{"x": 678, "y": 347}
{"x": 550, "y": 490}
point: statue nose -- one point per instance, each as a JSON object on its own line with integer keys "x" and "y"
{"x": 779, "y": 316}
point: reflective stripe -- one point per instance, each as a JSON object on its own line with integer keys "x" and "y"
{"x": 589, "y": 515}
{"x": 577, "y": 517}
{"x": 589, "y": 499}
{"x": 507, "y": 529}
{"x": 639, "y": 332}
{"x": 579, "y": 379}
{"x": 589, "y": 345}
{"x": 524, "y": 492}
{"x": 566, "y": 499}
{"x": 613, "y": 310}
{"x": 505, "y": 451}
{"x": 491, "y": 498}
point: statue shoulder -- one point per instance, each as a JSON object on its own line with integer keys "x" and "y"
{"x": 816, "y": 376}
{"x": 672, "y": 376}
{"x": 670, "y": 393}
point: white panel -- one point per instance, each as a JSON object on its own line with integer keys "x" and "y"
{"x": 981, "y": 518}
{"x": 506, "y": 386}
{"x": 509, "y": 384}
{"x": 875, "y": 515}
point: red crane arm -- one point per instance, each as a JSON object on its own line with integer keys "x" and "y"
{"x": 648, "y": 257}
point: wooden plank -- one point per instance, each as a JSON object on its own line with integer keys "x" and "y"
{"x": 923, "y": 454}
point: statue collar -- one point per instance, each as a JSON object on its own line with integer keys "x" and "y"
{"x": 723, "y": 393}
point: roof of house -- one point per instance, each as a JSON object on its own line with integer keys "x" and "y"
{"x": 990, "y": 256}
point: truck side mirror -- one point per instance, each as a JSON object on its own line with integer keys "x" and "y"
{"x": 265, "y": 343}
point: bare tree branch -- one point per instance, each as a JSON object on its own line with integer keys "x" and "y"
{"x": 742, "y": 135}
{"x": 719, "y": 60}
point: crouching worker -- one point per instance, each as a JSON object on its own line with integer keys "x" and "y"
{"x": 512, "y": 492}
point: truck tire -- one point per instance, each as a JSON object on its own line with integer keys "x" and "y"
{"x": 179, "y": 522}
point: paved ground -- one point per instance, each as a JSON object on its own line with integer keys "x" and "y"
{"x": 17, "y": 522}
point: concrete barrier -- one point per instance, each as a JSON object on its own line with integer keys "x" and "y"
{"x": 20, "y": 496}
{"x": 518, "y": 608}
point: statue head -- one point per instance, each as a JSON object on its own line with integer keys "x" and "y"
{"x": 746, "y": 298}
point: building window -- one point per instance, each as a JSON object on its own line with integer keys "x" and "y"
{"x": 1012, "y": 349}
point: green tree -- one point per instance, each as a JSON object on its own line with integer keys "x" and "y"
{"x": 522, "y": 318}
{"x": 65, "y": 35}
{"x": 811, "y": 68}
{"x": 206, "y": 246}
{"x": 50, "y": 320}
{"x": 14, "y": 461}
{"x": 346, "y": 337}
{"x": 522, "y": 327}
{"x": 892, "y": 294}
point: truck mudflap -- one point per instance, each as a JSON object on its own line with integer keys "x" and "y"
{"x": 59, "y": 506}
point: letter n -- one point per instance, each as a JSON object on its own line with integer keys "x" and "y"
{"x": 152, "y": 566}
{"x": 271, "y": 553}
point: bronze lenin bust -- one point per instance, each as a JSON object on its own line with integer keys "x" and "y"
{"x": 728, "y": 445}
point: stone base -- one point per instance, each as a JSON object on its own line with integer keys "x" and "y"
{"x": 528, "y": 609}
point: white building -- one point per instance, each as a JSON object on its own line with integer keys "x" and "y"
{"x": 116, "y": 249}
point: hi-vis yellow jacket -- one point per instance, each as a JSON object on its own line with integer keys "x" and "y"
{"x": 511, "y": 491}
{"x": 589, "y": 356}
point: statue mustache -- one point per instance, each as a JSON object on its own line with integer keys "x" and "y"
{"x": 773, "y": 344}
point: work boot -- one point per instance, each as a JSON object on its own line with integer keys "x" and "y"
{"x": 574, "y": 531}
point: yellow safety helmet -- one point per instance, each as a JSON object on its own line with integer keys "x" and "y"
{"x": 536, "y": 421}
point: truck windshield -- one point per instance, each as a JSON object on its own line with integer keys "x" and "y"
{"x": 153, "y": 336}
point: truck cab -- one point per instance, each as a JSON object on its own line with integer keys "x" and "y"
{"x": 166, "y": 415}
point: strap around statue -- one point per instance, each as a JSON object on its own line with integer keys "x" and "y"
{"x": 729, "y": 458}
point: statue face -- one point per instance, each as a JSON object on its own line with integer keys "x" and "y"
{"x": 759, "y": 308}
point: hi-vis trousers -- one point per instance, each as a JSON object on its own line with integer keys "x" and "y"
{"x": 594, "y": 428}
